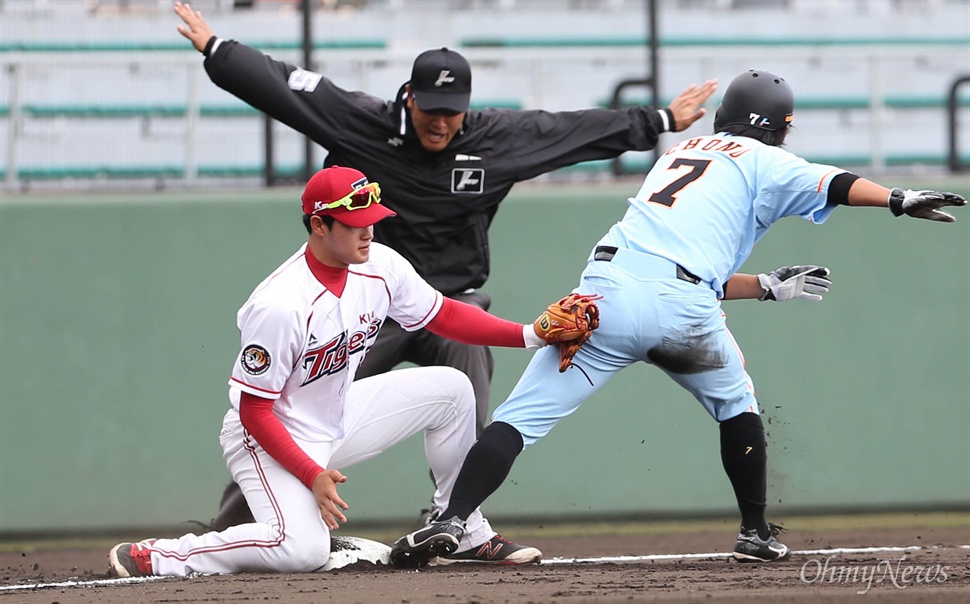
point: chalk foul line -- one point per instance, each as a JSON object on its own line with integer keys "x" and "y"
{"x": 713, "y": 555}
{"x": 599, "y": 560}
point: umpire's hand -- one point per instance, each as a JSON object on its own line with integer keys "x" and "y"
{"x": 686, "y": 108}
{"x": 197, "y": 30}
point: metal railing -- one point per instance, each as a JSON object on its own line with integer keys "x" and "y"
{"x": 953, "y": 155}
{"x": 533, "y": 65}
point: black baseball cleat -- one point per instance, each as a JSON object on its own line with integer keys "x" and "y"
{"x": 752, "y": 548}
{"x": 416, "y": 549}
{"x": 497, "y": 550}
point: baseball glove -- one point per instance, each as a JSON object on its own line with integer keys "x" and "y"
{"x": 568, "y": 323}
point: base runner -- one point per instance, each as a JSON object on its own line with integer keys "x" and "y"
{"x": 661, "y": 273}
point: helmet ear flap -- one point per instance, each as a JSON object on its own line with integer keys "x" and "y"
{"x": 719, "y": 119}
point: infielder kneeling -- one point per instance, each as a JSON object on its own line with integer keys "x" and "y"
{"x": 298, "y": 417}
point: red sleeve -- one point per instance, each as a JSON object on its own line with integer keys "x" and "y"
{"x": 471, "y": 325}
{"x": 256, "y": 414}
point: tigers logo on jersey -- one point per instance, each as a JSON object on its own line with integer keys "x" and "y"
{"x": 331, "y": 357}
{"x": 255, "y": 360}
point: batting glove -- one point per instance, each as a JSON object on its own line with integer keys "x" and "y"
{"x": 923, "y": 204}
{"x": 790, "y": 282}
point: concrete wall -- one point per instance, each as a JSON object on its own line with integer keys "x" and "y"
{"x": 117, "y": 333}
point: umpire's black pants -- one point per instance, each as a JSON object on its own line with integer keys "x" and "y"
{"x": 395, "y": 346}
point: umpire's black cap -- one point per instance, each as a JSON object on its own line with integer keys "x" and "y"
{"x": 441, "y": 80}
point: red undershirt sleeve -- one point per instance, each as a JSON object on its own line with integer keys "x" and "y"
{"x": 471, "y": 325}
{"x": 256, "y": 414}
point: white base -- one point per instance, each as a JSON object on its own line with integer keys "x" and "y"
{"x": 345, "y": 551}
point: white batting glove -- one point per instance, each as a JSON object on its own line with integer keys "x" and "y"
{"x": 923, "y": 204}
{"x": 789, "y": 282}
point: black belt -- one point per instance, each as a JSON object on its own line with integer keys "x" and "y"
{"x": 606, "y": 253}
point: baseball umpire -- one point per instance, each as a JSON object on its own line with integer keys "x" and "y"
{"x": 444, "y": 170}
{"x": 662, "y": 272}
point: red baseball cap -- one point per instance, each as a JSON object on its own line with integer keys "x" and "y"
{"x": 338, "y": 183}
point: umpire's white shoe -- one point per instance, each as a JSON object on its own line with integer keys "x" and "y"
{"x": 414, "y": 550}
{"x": 752, "y": 548}
{"x": 497, "y": 550}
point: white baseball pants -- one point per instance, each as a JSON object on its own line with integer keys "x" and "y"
{"x": 289, "y": 534}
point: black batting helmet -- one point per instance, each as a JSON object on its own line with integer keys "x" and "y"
{"x": 756, "y": 98}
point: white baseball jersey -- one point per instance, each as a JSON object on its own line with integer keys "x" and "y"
{"x": 301, "y": 344}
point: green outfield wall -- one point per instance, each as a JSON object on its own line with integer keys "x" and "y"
{"x": 117, "y": 335}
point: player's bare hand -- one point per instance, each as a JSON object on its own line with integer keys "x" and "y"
{"x": 687, "y": 107}
{"x": 195, "y": 28}
{"x": 330, "y": 503}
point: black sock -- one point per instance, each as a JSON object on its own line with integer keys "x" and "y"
{"x": 745, "y": 459}
{"x": 486, "y": 466}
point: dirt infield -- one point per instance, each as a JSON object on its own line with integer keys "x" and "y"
{"x": 936, "y": 570}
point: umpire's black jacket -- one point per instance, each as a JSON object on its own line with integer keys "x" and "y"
{"x": 446, "y": 200}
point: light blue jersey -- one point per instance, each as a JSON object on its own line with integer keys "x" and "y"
{"x": 709, "y": 199}
{"x": 661, "y": 272}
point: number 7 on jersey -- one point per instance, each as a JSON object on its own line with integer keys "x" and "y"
{"x": 668, "y": 195}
